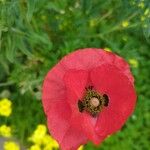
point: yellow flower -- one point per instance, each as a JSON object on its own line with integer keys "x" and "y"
{"x": 51, "y": 146}
{"x": 107, "y": 49}
{"x": 80, "y": 148}
{"x": 35, "y": 147}
{"x": 5, "y": 107}
{"x": 11, "y": 146}
{"x": 47, "y": 139}
{"x": 125, "y": 24}
{"x": 5, "y": 131}
{"x": 38, "y": 135}
{"x": 49, "y": 143}
{"x": 133, "y": 62}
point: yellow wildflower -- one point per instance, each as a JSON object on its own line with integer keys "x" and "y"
{"x": 107, "y": 49}
{"x": 35, "y": 147}
{"x": 50, "y": 146}
{"x": 47, "y": 139}
{"x": 49, "y": 143}
{"x": 39, "y": 133}
{"x": 11, "y": 146}
{"x": 125, "y": 24}
{"x": 133, "y": 63}
{"x": 5, "y": 107}
{"x": 5, "y": 131}
{"x": 80, "y": 148}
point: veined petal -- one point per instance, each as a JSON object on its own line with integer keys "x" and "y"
{"x": 75, "y": 81}
{"x": 110, "y": 80}
{"x": 58, "y": 119}
{"x": 53, "y": 87}
{"x": 74, "y": 137}
{"x": 89, "y": 58}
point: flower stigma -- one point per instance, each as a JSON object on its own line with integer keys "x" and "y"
{"x": 93, "y": 102}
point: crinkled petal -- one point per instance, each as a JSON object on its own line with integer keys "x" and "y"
{"x": 53, "y": 87}
{"x": 59, "y": 116}
{"x": 107, "y": 126}
{"x": 110, "y": 80}
{"x": 75, "y": 82}
{"x": 90, "y": 58}
{"x": 74, "y": 137}
{"x": 89, "y": 124}
{"x": 82, "y": 59}
{"x": 65, "y": 127}
{"x": 119, "y": 62}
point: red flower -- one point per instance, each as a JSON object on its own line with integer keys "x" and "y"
{"x": 88, "y": 95}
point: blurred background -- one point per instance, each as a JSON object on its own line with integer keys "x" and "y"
{"x": 36, "y": 34}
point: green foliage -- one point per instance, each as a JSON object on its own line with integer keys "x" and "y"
{"x": 35, "y": 35}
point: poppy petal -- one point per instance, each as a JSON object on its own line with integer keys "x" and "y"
{"x": 82, "y": 59}
{"x": 65, "y": 126}
{"x": 58, "y": 116}
{"x": 89, "y": 124}
{"x": 110, "y": 80}
{"x": 53, "y": 87}
{"x": 107, "y": 126}
{"x": 90, "y": 58}
{"x": 75, "y": 82}
{"x": 74, "y": 136}
{"x": 120, "y": 63}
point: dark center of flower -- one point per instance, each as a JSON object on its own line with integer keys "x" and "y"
{"x": 93, "y": 102}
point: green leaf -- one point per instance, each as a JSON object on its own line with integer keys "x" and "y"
{"x": 11, "y": 49}
{"x": 30, "y": 9}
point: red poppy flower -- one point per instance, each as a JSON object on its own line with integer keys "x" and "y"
{"x": 87, "y": 96}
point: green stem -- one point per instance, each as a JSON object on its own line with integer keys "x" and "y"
{"x": 6, "y": 84}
